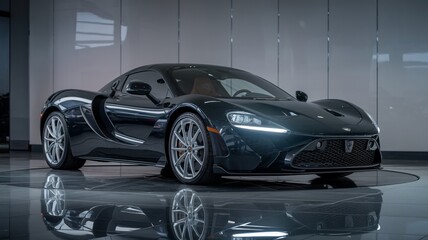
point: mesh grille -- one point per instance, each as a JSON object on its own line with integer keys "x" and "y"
{"x": 335, "y": 156}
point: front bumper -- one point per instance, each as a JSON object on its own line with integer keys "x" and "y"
{"x": 252, "y": 153}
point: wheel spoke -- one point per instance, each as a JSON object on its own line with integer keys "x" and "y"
{"x": 196, "y": 231}
{"x": 54, "y": 205}
{"x": 61, "y": 137}
{"x": 198, "y": 160}
{"x": 50, "y": 147}
{"x": 192, "y": 199}
{"x": 180, "y": 221}
{"x": 180, "y": 159}
{"x": 185, "y": 201}
{"x": 189, "y": 132}
{"x": 49, "y": 139}
{"x": 186, "y": 164}
{"x": 189, "y": 232}
{"x": 178, "y": 149}
{"x": 183, "y": 231}
{"x": 48, "y": 127}
{"x": 180, "y": 138}
{"x": 198, "y": 148}
{"x": 192, "y": 167}
{"x": 61, "y": 147}
{"x": 49, "y": 202}
{"x": 183, "y": 130}
{"x": 54, "y": 127}
{"x": 196, "y": 135}
{"x": 198, "y": 208}
{"x": 58, "y": 129}
{"x": 199, "y": 221}
{"x": 57, "y": 153}
{"x": 179, "y": 211}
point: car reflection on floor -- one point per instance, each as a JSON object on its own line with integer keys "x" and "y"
{"x": 81, "y": 208}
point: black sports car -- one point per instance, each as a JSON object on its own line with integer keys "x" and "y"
{"x": 202, "y": 121}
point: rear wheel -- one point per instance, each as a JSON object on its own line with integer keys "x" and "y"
{"x": 56, "y": 144}
{"x": 334, "y": 175}
{"x": 189, "y": 150}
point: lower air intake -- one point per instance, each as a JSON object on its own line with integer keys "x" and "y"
{"x": 335, "y": 155}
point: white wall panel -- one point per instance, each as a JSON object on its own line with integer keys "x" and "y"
{"x": 149, "y": 32}
{"x": 403, "y": 74}
{"x": 86, "y": 43}
{"x": 303, "y": 47}
{"x": 352, "y": 67}
{"x": 41, "y": 62}
{"x": 255, "y": 37}
{"x": 205, "y": 31}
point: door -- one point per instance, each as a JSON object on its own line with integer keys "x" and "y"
{"x": 134, "y": 117}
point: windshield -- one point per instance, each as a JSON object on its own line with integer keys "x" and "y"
{"x": 225, "y": 83}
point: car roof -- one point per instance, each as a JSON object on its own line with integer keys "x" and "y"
{"x": 166, "y": 66}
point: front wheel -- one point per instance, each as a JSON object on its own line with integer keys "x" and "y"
{"x": 56, "y": 144}
{"x": 189, "y": 150}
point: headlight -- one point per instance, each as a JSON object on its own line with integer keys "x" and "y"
{"x": 242, "y": 118}
{"x": 252, "y": 122}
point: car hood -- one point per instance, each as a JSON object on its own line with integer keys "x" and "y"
{"x": 325, "y": 117}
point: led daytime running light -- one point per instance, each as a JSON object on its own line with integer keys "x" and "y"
{"x": 250, "y": 121}
{"x": 263, "y": 129}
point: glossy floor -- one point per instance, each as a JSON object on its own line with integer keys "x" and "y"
{"x": 114, "y": 201}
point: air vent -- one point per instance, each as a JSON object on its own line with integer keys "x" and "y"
{"x": 333, "y": 112}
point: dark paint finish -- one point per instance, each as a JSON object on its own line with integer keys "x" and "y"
{"x": 113, "y": 125}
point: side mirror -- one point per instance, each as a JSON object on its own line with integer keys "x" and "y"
{"x": 138, "y": 88}
{"x": 301, "y": 96}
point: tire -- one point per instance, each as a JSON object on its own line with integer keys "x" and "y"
{"x": 56, "y": 144}
{"x": 334, "y": 175}
{"x": 190, "y": 153}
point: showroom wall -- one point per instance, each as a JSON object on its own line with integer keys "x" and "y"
{"x": 373, "y": 53}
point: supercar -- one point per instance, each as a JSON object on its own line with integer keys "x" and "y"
{"x": 199, "y": 122}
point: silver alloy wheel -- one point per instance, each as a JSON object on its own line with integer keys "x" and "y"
{"x": 54, "y": 196}
{"x": 54, "y": 140}
{"x": 187, "y": 148}
{"x": 188, "y": 216}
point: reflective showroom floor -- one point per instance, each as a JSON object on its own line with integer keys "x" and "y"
{"x": 113, "y": 201}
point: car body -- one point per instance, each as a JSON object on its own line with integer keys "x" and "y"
{"x": 202, "y": 121}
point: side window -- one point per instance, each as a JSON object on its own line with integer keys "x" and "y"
{"x": 154, "y": 79}
{"x": 107, "y": 88}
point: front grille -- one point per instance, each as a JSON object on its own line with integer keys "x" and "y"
{"x": 334, "y": 155}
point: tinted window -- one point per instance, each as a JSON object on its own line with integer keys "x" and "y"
{"x": 154, "y": 79}
{"x": 225, "y": 83}
{"x": 107, "y": 88}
